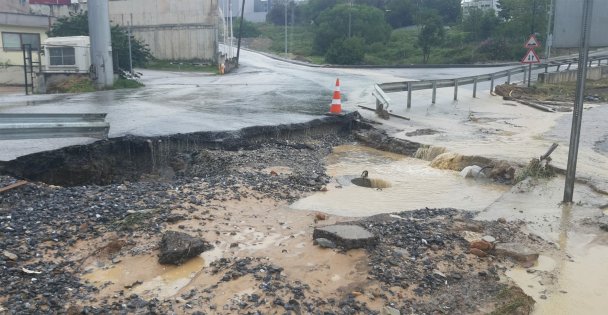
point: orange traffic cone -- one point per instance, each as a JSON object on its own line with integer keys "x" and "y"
{"x": 336, "y": 102}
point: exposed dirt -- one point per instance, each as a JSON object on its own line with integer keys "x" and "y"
{"x": 94, "y": 248}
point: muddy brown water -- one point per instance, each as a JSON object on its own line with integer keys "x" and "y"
{"x": 413, "y": 185}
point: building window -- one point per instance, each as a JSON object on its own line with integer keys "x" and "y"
{"x": 62, "y": 56}
{"x": 14, "y": 41}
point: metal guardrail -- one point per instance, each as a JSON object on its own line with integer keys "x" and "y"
{"x": 381, "y": 89}
{"x": 41, "y": 126}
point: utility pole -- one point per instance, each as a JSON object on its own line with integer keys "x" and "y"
{"x": 285, "y": 4}
{"x": 130, "y": 52}
{"x": 101, "y": 43}
{"x": 549, "y": 39}
{"x": 577, "y": 114}
{"x": 238, "y": 49}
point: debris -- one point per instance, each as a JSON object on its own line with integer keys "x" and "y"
{"x": 323, "y": 242}
{"x": 320, "y": 216}
{"x": 346, "y": 236}
{"x": 13, "y": 186}
{"x": 387, "y": 310}
{"x": 481, "y": 245}
{"x": 273, "y": 173}
{"x": 472, "y": 171}
{"x": 9, "y": 255}
{"x": 31, "y": 272}
{"x": 478, "y": 252}
{"x": 177, "y": 247}
{"x": 489, "y": 239}
{"x": 134, "y": 284}
{"x": 516, "y": 251}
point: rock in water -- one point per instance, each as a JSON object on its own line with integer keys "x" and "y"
{"x": 516, "y": 251}
{"x": 177, "y": 247}
{"x": 346, "y": 236}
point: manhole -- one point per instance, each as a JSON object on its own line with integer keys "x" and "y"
{"x": 365, "y": 181}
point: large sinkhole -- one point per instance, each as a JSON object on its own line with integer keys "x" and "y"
{"x": 135, "y": 158}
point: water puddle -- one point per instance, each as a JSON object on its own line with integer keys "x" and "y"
{"x": 413, "y": 185}
{"x": 143, "y": 275}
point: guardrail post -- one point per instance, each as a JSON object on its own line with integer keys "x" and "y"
{"x": 409, "y": 95}
{"x": 491, "y": 83}
{"x": 455, "y": 89}
{"x": 599, "y": 62}
{"x": 508, "y": 76}
{"x": 475, "y": 87}
{"x": 569, "y": 66}
{"x": 546, "y": 68}
{"x": 558, "y": 66}
{"x": 434, "y": 91}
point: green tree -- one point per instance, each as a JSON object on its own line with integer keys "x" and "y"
{"x": 77, "y": 24}
{"x": 522, "y": 18}
{"x": 348, "y": 51}
{"x": 400, "y": 13}
{"x": 366, "y": 22}
{"x": 249, "y": 28}
{"x": 431, "y": 33}
{"x": 449, "y": 10}
{"x": 480, "y": 24}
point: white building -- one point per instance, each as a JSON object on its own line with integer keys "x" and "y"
{"x": 67, "y": 54}
{"x": 479, "y": 4}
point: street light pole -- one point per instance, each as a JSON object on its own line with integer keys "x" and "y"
{"x": 350, "y": 13}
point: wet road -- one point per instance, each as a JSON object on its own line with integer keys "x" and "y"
{"x": 263, "y": 91}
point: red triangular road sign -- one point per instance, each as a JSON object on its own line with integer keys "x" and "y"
{"x": 532, "y": 42}
{"x": 531, "y": 57}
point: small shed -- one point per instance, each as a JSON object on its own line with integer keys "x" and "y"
{"x": 67, "y": 54}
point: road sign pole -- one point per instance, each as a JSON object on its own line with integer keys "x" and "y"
{"x": 577, "y": 114}
{"x": 529, "y": 74}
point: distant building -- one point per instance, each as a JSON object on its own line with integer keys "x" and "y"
{"x": 174, "y": 30}
{"x": 484, "y": 5}
{"x": 17, "y": 29}
{"x": 255, "y": 10}
{"x": 54, "y": 8}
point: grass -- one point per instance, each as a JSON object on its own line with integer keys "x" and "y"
{"x": 74, "y": 84}
{"x": 535, "y": 169}
{"x": 185, "y": 66}
{"x": 567, "y": 90}
{"x": 122, "y": 83}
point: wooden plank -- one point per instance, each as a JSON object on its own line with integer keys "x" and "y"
{"x": 12, "y": 186}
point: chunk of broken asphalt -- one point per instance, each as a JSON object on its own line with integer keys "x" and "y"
{"x": 323, "y": 242}
{"x": 346, "y": 236}
{"x": 177, "y": 247}
{"x": 516, "y": 251}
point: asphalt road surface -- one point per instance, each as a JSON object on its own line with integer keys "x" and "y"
{"x": 263, "y": 91}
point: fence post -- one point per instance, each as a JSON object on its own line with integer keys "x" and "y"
{"x": 491, "y": 83}
{"x": 455, "y": 89}
{"x": 475, "y": 87}
{"x": 409, "y": 95}
{"x": 434, "y": 91}
{"x": 599, "y": 62}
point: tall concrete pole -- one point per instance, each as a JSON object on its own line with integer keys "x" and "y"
{"x": 101, "y": 43}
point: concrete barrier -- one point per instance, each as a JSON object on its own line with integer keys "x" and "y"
{"x": 594, "y": 73}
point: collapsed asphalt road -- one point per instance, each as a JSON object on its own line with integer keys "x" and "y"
{"x": 91, "y": 246}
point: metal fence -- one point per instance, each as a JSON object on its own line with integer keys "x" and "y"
{"x": 41, "y": 126}
{"x": 381, "y": 90}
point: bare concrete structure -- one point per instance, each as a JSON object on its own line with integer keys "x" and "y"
{"x": 174, "y": 30}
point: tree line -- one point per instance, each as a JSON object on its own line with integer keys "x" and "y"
{"x": 346, "y": 30}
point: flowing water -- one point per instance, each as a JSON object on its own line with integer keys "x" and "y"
{"x": 413, "y": 185}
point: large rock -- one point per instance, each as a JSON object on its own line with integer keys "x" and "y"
{"x": 516, "y": 251}
{"x": 177, "y": 247}
{"x": 346, "y": 236}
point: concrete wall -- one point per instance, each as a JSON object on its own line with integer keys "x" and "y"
{"x": 594, "y": 73}
{"x": 174, "y": 30}
{"x": 20, "y": 6}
